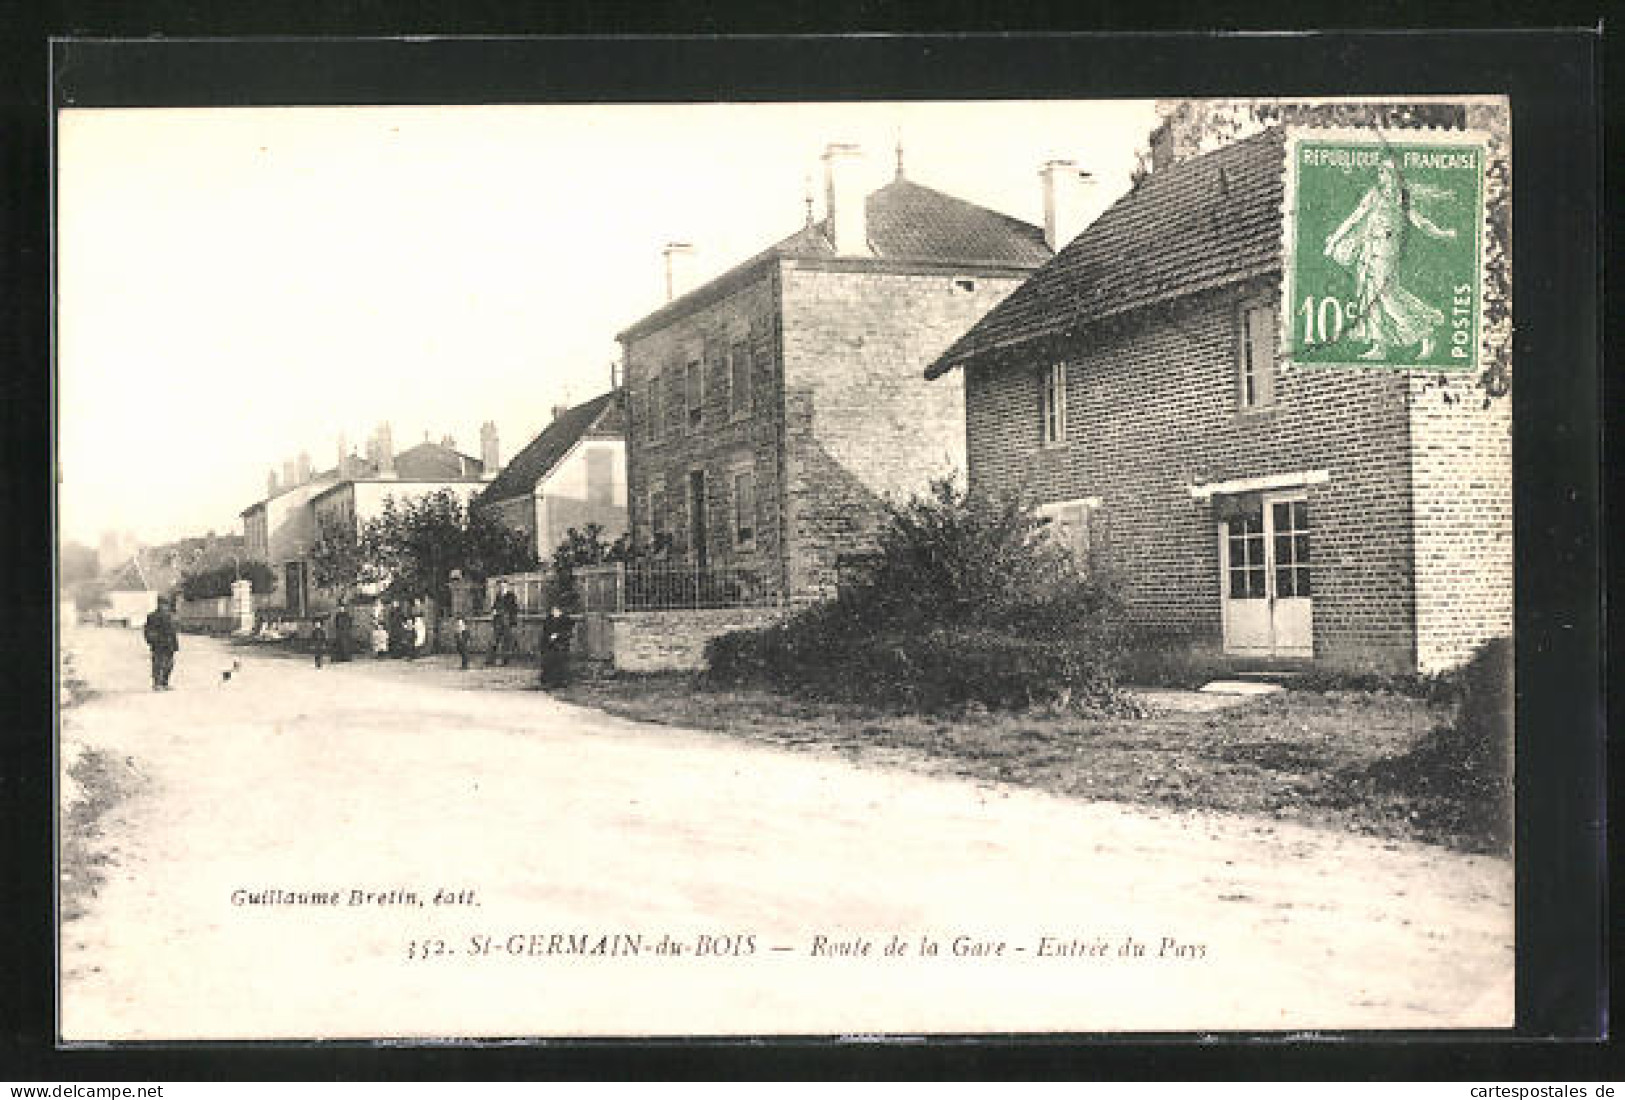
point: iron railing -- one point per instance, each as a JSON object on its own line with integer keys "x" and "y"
{"x": 667, "y": 586}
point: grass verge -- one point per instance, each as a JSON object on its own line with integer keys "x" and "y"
{"x": 1291, "y": 756}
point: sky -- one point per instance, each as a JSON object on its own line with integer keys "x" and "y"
{"x": 238, "y": 285}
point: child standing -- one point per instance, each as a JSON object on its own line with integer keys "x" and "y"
{"x": 318, "y": 640}
{"x": 461, "y": 634}
{"x": 419, "y": 635}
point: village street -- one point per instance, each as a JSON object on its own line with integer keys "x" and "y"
{"x": 566, "y": 846}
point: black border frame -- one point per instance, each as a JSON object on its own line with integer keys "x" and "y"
{"x": 1552, "y": 79}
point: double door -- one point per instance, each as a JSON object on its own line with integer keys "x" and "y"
{"x": 1265, "y": 576}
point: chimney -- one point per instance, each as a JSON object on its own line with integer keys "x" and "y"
{"x": 679, "y": 257}
{"x": 490, "y": 453}
{"x": 448, "y": 442}
{"x": 344, "y": 458}
{"x": 303, "y": 467}
{"x": 844, "y": 200}
{"x": 271, "y": 485}
{"x": 386, "y": 451}
{"x": 290, "y": 473}
{"x": 1065, "y": 201}
{"x": 560, "y": 410}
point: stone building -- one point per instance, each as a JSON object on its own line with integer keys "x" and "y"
{"x": 1354, "y": 516}
{"x": 775, "y": 407}
{"x": 571, "y": 475}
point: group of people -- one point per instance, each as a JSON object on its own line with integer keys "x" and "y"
{"x": 399, "y": 629}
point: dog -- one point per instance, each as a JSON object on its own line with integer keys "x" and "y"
{"x": 226, "y": 674}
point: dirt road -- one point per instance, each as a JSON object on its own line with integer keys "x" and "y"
{"x": 275, "y": 860}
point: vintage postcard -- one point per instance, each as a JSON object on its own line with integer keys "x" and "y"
{"x": 784, "y": 569}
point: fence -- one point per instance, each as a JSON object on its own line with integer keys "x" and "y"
{"x": 662, "y": 586}
{"x": 529, "y": 588}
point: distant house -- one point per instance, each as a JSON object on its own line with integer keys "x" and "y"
{"x": 1356, "y": 516}
{"x": 571, "y": 475}
{"x": 775, "y": 407}
{"x": 281, "y": 529}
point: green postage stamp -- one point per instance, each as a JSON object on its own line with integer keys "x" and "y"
{"x": 1384, "y": 248}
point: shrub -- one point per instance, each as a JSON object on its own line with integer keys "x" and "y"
{"x": 967, "y": 601}
{"x": 1463, "y": 770}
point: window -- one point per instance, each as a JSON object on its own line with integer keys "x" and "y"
{"x": 659, "y": 522}
{"x": 1246, "y": 556}
{"x": 739, "y": 395}
{"x": 652, "y": 408}
{"x": 1255, "y": 358}
{"x": 1052, "y": 405}
{"x": 1290, "y": 523}
{"x": 745, "y": 510}
{"x": 674, "y": 403}
{"x": 694, "y": 392}
{"x": 1069, "y": 526}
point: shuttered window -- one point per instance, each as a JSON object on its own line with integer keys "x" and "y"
{"x": 1255, "y": 357}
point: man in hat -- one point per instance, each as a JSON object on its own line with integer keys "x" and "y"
{"x": 159, "y": 631}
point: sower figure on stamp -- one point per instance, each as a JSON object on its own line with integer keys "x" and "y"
{"x": 504, "y": 624}
{"x": 159, "y": 631}
{"x": 1372, "y": 240}
{"x": 556, "y": 630}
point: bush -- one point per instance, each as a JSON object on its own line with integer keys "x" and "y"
{"x": 821, "y": 656}
{"x": 967, "y": 601}
{"x": 1464, "y": 770}
{"x": 216, "y": 582}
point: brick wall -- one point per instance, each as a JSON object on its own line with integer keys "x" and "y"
{"x": 674, "y": 641}
{"x": 721, "y": 444}
{"x": 1152, "y": 410}
{"x": 1461, "y": 467}
{"x": 861, "y": 421}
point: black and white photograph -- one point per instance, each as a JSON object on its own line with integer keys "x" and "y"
{"x": 880, "y": 567}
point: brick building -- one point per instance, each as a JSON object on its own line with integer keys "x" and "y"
{"x": 571, "y": 475}
{"x": 1359, "y": 517}
{"x": 774, "y": 408}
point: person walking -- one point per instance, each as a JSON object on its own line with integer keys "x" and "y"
{"x": 504, "y": 624}
{"x": 318, "y": 639}
{"x": 159, "y": 631}
{"x": 343, "y": 630}
{"x": 557, "y": 628}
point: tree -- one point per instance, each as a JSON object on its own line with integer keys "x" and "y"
{"x": 414, "y": 545}
{"x": 339, "y": 561}
{"x": 212, "y": 583}
{"x": 581, "y": 548}
{"x": 76, "y": 562}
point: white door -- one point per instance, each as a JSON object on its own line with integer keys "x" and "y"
{"x": 1264, "y": 566}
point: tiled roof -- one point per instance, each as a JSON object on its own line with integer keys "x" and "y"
{"x": 911, "y": 223}
{"x": 1204, "y": 222}
{"x": 600, "y": 416}
{"x": 435, "y": 462}
{"x": 907, "y": 223}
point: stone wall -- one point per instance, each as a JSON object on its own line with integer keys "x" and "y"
{"x": 674, "y": 641}
{"x": 1152, "y": 410}
{"x": 861, "y": 422}
{"x": 724, "y": 441}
